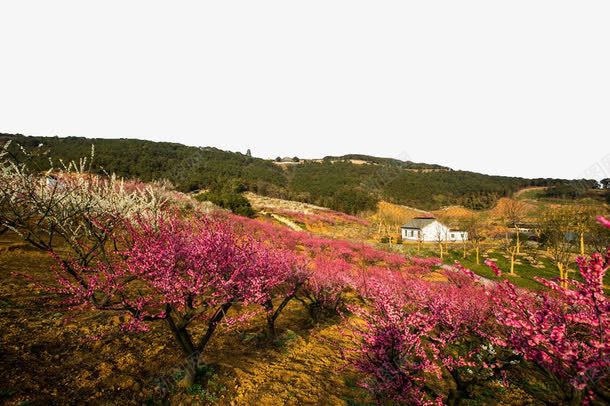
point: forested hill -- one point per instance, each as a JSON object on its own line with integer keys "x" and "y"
{"x": 334, "y": 182}
{"x": 387, "y": 162}
{"x": 189, "y": 168}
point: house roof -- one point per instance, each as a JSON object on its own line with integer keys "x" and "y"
{"x": 419, "y": 223}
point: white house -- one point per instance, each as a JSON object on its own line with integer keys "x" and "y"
{"x": 430, "y": 229}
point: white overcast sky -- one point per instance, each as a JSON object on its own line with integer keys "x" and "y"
{"x": 502, "y": 87}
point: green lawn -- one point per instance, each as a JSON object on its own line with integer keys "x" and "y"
{"x": 530, "y": 264}
{"x": 525, "y": 271}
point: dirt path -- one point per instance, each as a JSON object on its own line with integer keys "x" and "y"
{"x": 527, "y": 189}
{"x": 260, "y": 202}
{"x": 286, "y": 221}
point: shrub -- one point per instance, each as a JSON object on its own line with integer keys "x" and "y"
{"x": 235, "y": 202}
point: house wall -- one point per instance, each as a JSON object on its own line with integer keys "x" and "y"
{"x": 432, "y": 232}
{"x": 410, "y": 234}
{"x": 435, "y": 231}
{"x": 458, "y": 236}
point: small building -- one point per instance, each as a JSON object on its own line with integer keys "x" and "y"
{"x": 525, "y": 227}
{"x": 428, "y": 229}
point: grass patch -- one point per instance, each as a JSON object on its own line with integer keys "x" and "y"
{"x": 533, "y": 194}
{"x": 525, "y": 271}
{"x": 286, "y": 340}
{"x": 351, "y": 381}
{"x": 531, "y": 263}
{"x": 211, "y": 390}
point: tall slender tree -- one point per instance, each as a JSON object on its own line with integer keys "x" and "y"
{"x": 514, "y": 212}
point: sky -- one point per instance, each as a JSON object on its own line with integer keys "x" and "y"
{"x": 519, "y": 88}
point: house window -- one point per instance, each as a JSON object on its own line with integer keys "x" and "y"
{"x": 453, "y": 236}
{"x": 410, "y": 233}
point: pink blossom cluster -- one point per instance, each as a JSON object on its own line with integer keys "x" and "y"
{"x": 182, "y": 271}
{"x": 414, "y": 330}
{"x": 334, "y": 266}
{"x": 327, "y": 217}
{"x": 564, "y": 331}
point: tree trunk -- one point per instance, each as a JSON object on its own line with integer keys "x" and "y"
{"x": 459, "y": 393}
{"x": 478, "y": 258}
{"x": 440, "y": 246}
{"x": 185, "y": 342}
{"x": 518, "y": 241}
{"x": 182, "y": 336}
{"x": 271, "y": 326}
{"x": 268, "y": 306}
{"x": 213, "y": 323}
{"x": 454, "y": 397}
{"x": 562, "y": 274}
{"x": 582, "y": 243}
{"x": 191, "y": 368}
{"x": 512, "y": 264}
{"x": 575, "y": 397}
{"x": 314, "y": 309}
{"x": 272, "y": 314}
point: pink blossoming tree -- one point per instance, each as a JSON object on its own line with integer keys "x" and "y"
{"x": 564, "y": 332}
{"x": 183, "y": 273}
{"x": 392, "y": 351}
{"x": 416, "y": 332}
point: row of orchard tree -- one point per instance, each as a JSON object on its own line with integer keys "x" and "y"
{"x": 516, "y": 227}
{"x": 148, "y": 252}
{"x": 563, "y": 232}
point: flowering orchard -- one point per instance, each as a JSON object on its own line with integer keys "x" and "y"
{"x": 131, "y": 250}
{"x": 555, "y": 345}
{"x": 191, "y": 271}
{"x": 146, "y": 252}
{"x": 421, "y": 342}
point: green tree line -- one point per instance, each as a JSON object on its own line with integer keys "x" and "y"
{"x": 334, "y": 182}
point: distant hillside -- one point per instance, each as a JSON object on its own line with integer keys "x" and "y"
{"x": 333, "y": 182}
{"x": 386, "y": 161}
{"x": 189, "y": 168}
